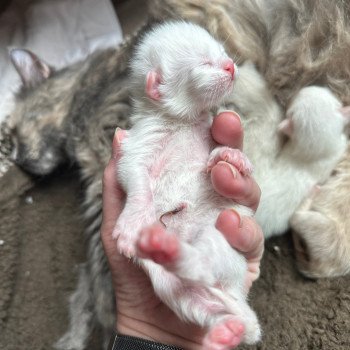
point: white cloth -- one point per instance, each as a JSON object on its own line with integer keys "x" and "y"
{"x": 59, "y": 31}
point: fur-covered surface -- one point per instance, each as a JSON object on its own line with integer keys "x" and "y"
{"x": 43, "y": 241}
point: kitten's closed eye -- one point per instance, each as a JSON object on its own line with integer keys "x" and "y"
{"x": 207, "y": 63}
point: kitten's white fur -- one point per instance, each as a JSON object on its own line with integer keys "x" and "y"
{"x": 164, "y": 166}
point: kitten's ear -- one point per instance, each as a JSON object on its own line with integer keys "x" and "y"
{"x": 286, "y": 127}
{"x": 153, "y": 81}
{"x": 31, "y": 69}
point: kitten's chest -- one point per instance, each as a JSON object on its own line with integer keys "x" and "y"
{"x": 183, "y": 152}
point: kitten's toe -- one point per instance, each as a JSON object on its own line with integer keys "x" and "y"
{"x": 225, "y": 335}
{"x": 156, "y": 244}
{"x": 125, "y": 244}
{"x": 126, "y": 248}
{"x": 232, "y": 156}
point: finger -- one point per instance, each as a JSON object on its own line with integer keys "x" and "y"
{"x": 230, "y": 183}
{"x": 227, "y": 129}
{"x": 112, "y": 193}
{"x": 119, "y": 135}
{"x": 242, "y": 233}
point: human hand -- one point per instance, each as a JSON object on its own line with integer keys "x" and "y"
{"x": 139, "y": 311}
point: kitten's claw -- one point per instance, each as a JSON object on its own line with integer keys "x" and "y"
{"x": 125, "y": 244}
{"x": 156, "y": 244}
{"x": 126, "y": 247}
{"x": 232, "y": 156}
{"x": 225, "y": 335}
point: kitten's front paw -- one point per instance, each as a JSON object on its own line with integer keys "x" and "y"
{"x": 232, "y": 156}
{"x": 125, "y": 242}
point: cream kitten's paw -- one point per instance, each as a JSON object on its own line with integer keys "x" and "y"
{"x": 232, "y": 156}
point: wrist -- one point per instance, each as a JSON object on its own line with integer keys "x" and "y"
{"x": 127, "y": 342}
{"x": 142, "y": 329}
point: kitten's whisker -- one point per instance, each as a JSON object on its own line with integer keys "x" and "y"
{"x": 228, "y": 36}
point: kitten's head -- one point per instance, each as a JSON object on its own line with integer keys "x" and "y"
{"x": 315, "y": 122}
{"x": 181, "y": 69}
{"x": 38, "y": 114}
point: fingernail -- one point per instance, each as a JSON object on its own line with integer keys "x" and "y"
{"x": 238, "y": 117}
{"x": 238, "y": 216}
{"x": 230, "y": 167}
{"x": 234, "y": 113}
{"x": 116, "y": 135}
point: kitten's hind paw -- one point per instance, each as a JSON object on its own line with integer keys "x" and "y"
{"x": 224, "y": 336}
{"x": 232, "y": 156}
{"x": 156, "y": 244}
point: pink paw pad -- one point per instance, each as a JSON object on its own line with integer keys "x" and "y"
{"x": 232, "y": 156}
{"x": 156, "y": 244}
{"x": 224, "y": 336}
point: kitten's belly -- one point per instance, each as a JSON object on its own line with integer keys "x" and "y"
{"x": 179, "y": 185}
{"x": 180, "y": 181}
{"x": 179, "y": 171}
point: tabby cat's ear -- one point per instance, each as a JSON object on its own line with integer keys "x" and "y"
{"x": 30, "y": 68}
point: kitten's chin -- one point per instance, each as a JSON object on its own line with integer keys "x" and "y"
{"x": 219, "y": 94}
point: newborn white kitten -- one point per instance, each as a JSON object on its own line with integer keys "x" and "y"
{"x": 178, "y": 73}
{"x": 316, "y": 142}
{"x": 287, "y": 171}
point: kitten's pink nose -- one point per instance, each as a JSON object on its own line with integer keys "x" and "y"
{"x": 229, "y": 67}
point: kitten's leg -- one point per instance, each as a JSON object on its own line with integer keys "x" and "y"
{"x": 209, "y": 263}
{"x": 209, "y": 308}
{"x": 231, "y": 156}
{"x": 174, "y": 255}
{"x": 137, "y": 213}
